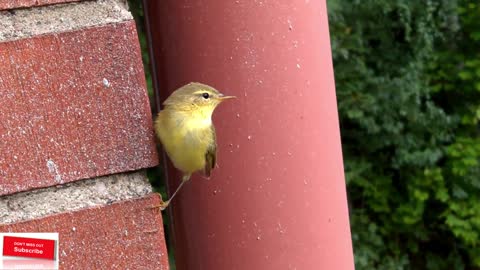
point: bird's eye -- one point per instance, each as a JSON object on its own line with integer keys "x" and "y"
{"x": 205, "y": 95}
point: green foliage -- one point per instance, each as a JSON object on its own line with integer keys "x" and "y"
{"x": 407, "y": 76}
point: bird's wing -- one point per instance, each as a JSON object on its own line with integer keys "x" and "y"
{"x": 211, "y": 155}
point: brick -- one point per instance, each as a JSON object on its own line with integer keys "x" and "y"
{"x": 73, "y": 105}
{"x": 12, "y": 4}
{"x": 124, "y": 235}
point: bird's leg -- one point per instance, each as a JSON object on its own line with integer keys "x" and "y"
{"x": 165, "y": 204}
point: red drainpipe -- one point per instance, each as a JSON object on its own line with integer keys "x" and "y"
{"x": 277, "y": 199}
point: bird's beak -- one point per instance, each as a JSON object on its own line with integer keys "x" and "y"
{"x": 222, "y": 97}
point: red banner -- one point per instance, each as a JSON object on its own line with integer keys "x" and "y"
{"x": 28, "y": 247}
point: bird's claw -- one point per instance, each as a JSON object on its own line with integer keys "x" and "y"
{"x": 160, "y": 206}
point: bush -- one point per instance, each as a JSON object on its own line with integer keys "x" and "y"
{"x": 407, "y": 83}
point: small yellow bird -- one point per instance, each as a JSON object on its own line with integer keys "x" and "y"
{"x": 186, "y": 131}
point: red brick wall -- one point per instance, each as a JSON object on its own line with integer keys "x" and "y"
{"x": 73, "y": 106}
